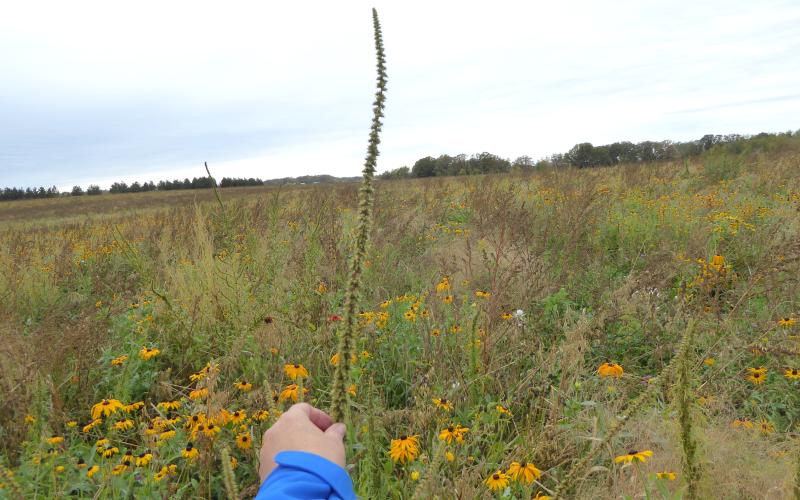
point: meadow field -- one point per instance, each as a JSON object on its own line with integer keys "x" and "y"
{"x": 621, "y": 332}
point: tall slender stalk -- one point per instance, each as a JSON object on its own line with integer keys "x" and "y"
{"x": 347, "y": 333}
{"x": 691, "y": 468}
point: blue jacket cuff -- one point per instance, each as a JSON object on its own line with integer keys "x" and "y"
{"x": 311, "y": 474}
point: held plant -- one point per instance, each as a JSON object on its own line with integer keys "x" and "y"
{"x": 347, "y": 332}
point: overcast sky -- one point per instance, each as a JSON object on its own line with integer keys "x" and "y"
{"x": 93, "y": 92}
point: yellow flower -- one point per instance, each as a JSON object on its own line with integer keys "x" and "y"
{"x": 190, "y": 452}
{"x": 449, "y": 456}
{"x": 81, "y": 463}
{"x": 539, "y": 496}
{"x": 243, "y": 386}
{"x": 234, "y": 463}
{"x": 451, "y": 433}
{"x": 443, "y": 403}
{"x": 166, "y": 435}
{"x": 119, "y": 360}
{"x": 447, "y": 299}
{"x": 144, "y": 459}
{"x": 149, "y": 352}
{"x": 443, "y": 285}
{"x": 415, "y": 475}
{"x": 211, "y": 430}
{"x": 91, "y": 471}
{"x": 497, "y": 481}
{"x": 610, "y": 370}
{"x": 766, "y": 427}
{"x": 169, "y": 405}
{"x": 410, "y": 315}
{"x": 123, "y": 425}
{"x": 669, "y": 476}
{"x": 629, "y": 457}
{"x": 524, "y": 472}
{"x": 787, "y": 321}
{"x": 243, "y": 441}
{"x": 295, "y": 371}
{"x": 132, "y": 407}
{"x": 198, "y": 393}
{"x": 503, "y": 410}
{"x": 71, "y": 423}
{"x": 290, "y": 392}
{"x": 351, "y": 390}
{"x": 506, "y": 316}
{"x": 436, "y": 332}
{"x": 109, "y": 451}
{"x": 455, "y": 329}
{"x": 238, "y": 416}
{"x": 742, "y": 422}
{"x": 385, "y": 304}
{"x": 261, "y": 415}
{"x": 791, "y": 373}
{"x": 322, "y": 287}
{"x": 105, "y": 408}
{"x": 709, "y": 361}
{"x": 273, "y": 350}
{"x": 757, "y": 375}
{"x": 55, "y": 440}
{"x": 29, "y": 419}
{"x": 405, "y": 449}
{"x": 482, "y": 294}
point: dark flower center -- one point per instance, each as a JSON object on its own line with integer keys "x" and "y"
{"x": 296, "y": 367}
{"x": 632, "y": 452}
{"x": 496, "y": 477}
{"x": 403, "y": 438}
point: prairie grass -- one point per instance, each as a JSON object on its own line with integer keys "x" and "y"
{"x": 576, "y": 268}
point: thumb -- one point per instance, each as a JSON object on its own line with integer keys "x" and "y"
{"x": 337, "y": 430}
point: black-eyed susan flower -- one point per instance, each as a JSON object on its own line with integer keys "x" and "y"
{"x": 791, "y": 373}
{"x": 443, "y": 285}
{"x": 71, "y": 424}
{"x": 385, "y": 304}
{"x": 123, "y": 425}
{"x": 410, "y": 315}
{"x": 144, "y": 459}
{"x": 449, "y": 456}
{"x": 404, "y": 449}
{"x": 198, "y": 393}
{"x": 91, "y": 471}
{"x": 640, "y": 456}
{"x": 166, "y": 435}
{"x": 30, "y": 419}
{"x": 105, "y": 408}
{"x": 238, "y": 416}
{"x": 443, "y": 404}
{"x": 502, "y": 410}
{"x": 290, "y": 392}
{"x": 244, "y": 441}
{"x": 497, "y": 481}
{"x": 293, "y": 371}
{"x": 243, "y": 385}
{"x": 709, "y": 361}
{"x": 189, "y": 452}
{"x": 211, "y": 430}
{"x": 148, "y": 352}
{"x": 787, "y": 321}
{"x": 169, "y": 405}
{"x": 482, "y": 294}
{"x": 415, "y": 475}
{"x": 260, "y": 415}
{"x": 55, "y": 440}
{"x": 669, "y": 476}
{"x": 119, "y": 360}
{"x": 81, "y": 463}
{"x": 453, "y": 433}
{"x": 757, "y": 375}
{"x": 743, "y": 423}
{"x": 127, "y": 458}
{"x": 132, "y": 407}
{"x": 455, "y": 329}
{"x": 541, "y": 496}
{"x": 109, "y": 451}
{"x": 612, "y": 370}
{"x": 436, "y": 332}
{"x": 506, "y": 316}
{"x": 766, "y": 427}
{"x": 447, "y": 299}
{"x": 524, "y": 472}
{"x": 351, "y": 390}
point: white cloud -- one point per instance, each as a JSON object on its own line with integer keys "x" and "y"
{"x": 99, "y": 91}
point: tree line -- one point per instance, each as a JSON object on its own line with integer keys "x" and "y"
{"x": 584, "y": 155}
{"x": 13, "y": 193}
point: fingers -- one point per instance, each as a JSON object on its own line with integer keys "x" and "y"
{"x": 337, "y": 430}
{"x": 318, "y": 417}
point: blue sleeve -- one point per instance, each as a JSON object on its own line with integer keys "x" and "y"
{"x": 305, "y": 476}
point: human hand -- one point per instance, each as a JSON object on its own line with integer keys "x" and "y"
{"x": 302, "y": 428}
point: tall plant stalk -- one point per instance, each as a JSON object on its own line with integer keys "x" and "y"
{"x": 347, "y": 333}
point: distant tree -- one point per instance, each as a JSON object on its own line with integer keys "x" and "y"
{"x": 77, "y": 191}
{"x": 424, "y": 167}
{"x": 398, "y": 173}
{"x": 524, "y": 162}
{"x": 580, "y": 155}
{"x": 93, "y": 190}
